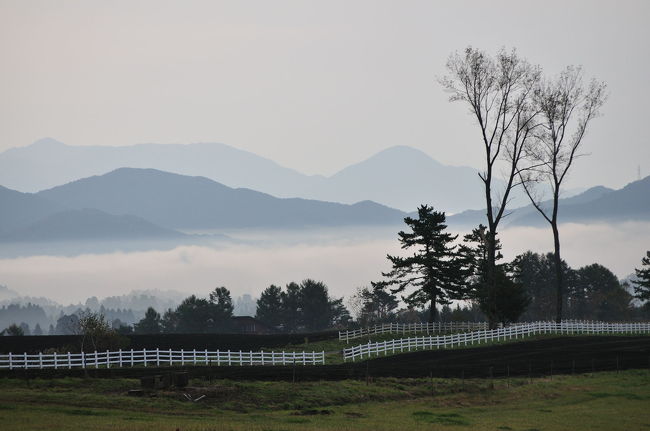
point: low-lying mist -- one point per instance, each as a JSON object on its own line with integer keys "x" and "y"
{"x": 342, "y": 258}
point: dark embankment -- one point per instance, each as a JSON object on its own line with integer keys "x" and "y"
{"x": 41, "y": 343}
{"x": 542, "y": 357}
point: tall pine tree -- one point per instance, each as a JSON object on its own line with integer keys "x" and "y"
{"x": 434, "y": 269}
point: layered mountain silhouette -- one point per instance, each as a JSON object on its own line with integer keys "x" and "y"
{"x": 89, "y": 224}
{"x": 146, "y": 204}
{"x": 18, "y": 210}
{"x": 405, "y": 178}
{"x": 134, "y": 204}
{"x": 597, "y": 204}
{"x": 181, "y": 202}
{"x": 398, "y": 177}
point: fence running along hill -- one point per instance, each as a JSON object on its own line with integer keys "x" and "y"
{"x": 488, "y": 336}
{"x": 158, "y": 358}
{"x": 404, "y": 328}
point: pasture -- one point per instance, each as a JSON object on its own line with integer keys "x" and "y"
{"x": 599, "y": 401}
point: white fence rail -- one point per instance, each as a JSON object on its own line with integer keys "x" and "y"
{"x": 487, "y": 336}
{"x": 404, "y": 328}
{"x": 157, "y": 357}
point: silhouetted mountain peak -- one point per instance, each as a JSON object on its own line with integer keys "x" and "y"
{"x": 390, "y": 159}
{"x": 47, "y": 143}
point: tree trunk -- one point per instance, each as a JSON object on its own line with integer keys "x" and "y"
{"x": 490, "y": 278}
{"x": 432, "y": 310}
{"x": 559, "y": 273}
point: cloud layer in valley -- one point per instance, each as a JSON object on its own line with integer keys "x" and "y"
{"x": 343, "y": 261}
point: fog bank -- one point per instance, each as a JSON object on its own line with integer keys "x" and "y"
{"x": 343, "y": 260}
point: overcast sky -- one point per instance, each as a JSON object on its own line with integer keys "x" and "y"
{"x": 313, "y": 85}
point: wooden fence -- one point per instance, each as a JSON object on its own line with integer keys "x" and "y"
{"x": 157, "y": 357}
{"x": 488, "y": 336}
{"x": 404, "y": 328}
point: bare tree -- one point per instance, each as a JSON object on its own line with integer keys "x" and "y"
{"x": 566, "y": 106}
{"x": 92, "y": 327}
{"x": 498, "y": 91}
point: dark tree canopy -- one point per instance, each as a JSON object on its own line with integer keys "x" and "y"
{"x": 316, "y": 311}
{"x": 434, "y": 268}
{"x": 269, "y": 306}
{"x": 598, "y": 294}
{"x": 14, "y": 330}
{"x": 150, "y": 323}
{"x": 509, "y": 301}
{"x": 593, "y": 292}
{"x": 506, "y": 299}
{"x": 306, "y": 306}
{"x": 292, "y": 307}
{"x": 199, "y": 315}
{"x": 537, "y": 274}
{"x": 642, "y": 282}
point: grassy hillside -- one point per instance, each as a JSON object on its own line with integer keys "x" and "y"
{"x": 602, "y": 401}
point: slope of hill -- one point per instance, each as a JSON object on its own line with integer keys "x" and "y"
{"x": 89, "y": 224}
{"x": 632, "y": 202}
{"x": 177, "y": 201}
{"x": 18, "y": 210}
{"x": 597, "y": 204}
{"x": 399, "y": 177}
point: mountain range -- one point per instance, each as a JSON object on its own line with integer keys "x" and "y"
{"x": 399, "y": 177}
{"x": 597, "y": 204}
{"x": 147, "y": 203}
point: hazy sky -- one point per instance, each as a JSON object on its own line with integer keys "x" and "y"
{"x": 313, "y": 85}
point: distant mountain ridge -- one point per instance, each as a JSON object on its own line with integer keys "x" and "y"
{"x": 597, "y": 204}
{"x": 89, "y": 224}
{"x": 18, "y": 209}
{"x": 142, "y": 209}
{"x": 181, "y": 202}
{"x": 399, "y": 177}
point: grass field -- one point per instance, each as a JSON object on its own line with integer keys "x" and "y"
{"x": 602, "y": 401}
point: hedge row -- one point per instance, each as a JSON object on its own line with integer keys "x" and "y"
{"x": 38, "y": 343}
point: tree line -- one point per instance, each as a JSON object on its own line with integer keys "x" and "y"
{"x": 437, "y": 270}
{"x": 593, "y": 293}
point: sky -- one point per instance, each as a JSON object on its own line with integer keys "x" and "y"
{"x": 313, "y": 85}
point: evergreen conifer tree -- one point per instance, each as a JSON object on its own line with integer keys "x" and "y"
{"x": 642, "y": 283}
{"x": 269, "y": 306}
{"x": 434, "y": 269}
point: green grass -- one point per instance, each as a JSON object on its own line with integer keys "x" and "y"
{"x": 603, "y": 401}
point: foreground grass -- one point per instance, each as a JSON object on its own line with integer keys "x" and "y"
{"x": 604, "y": 401}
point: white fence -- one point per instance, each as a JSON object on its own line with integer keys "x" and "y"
{"x": 487, "y": 336}
{"x": 157, "y": 357}
{"x": 404, "y": 328}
